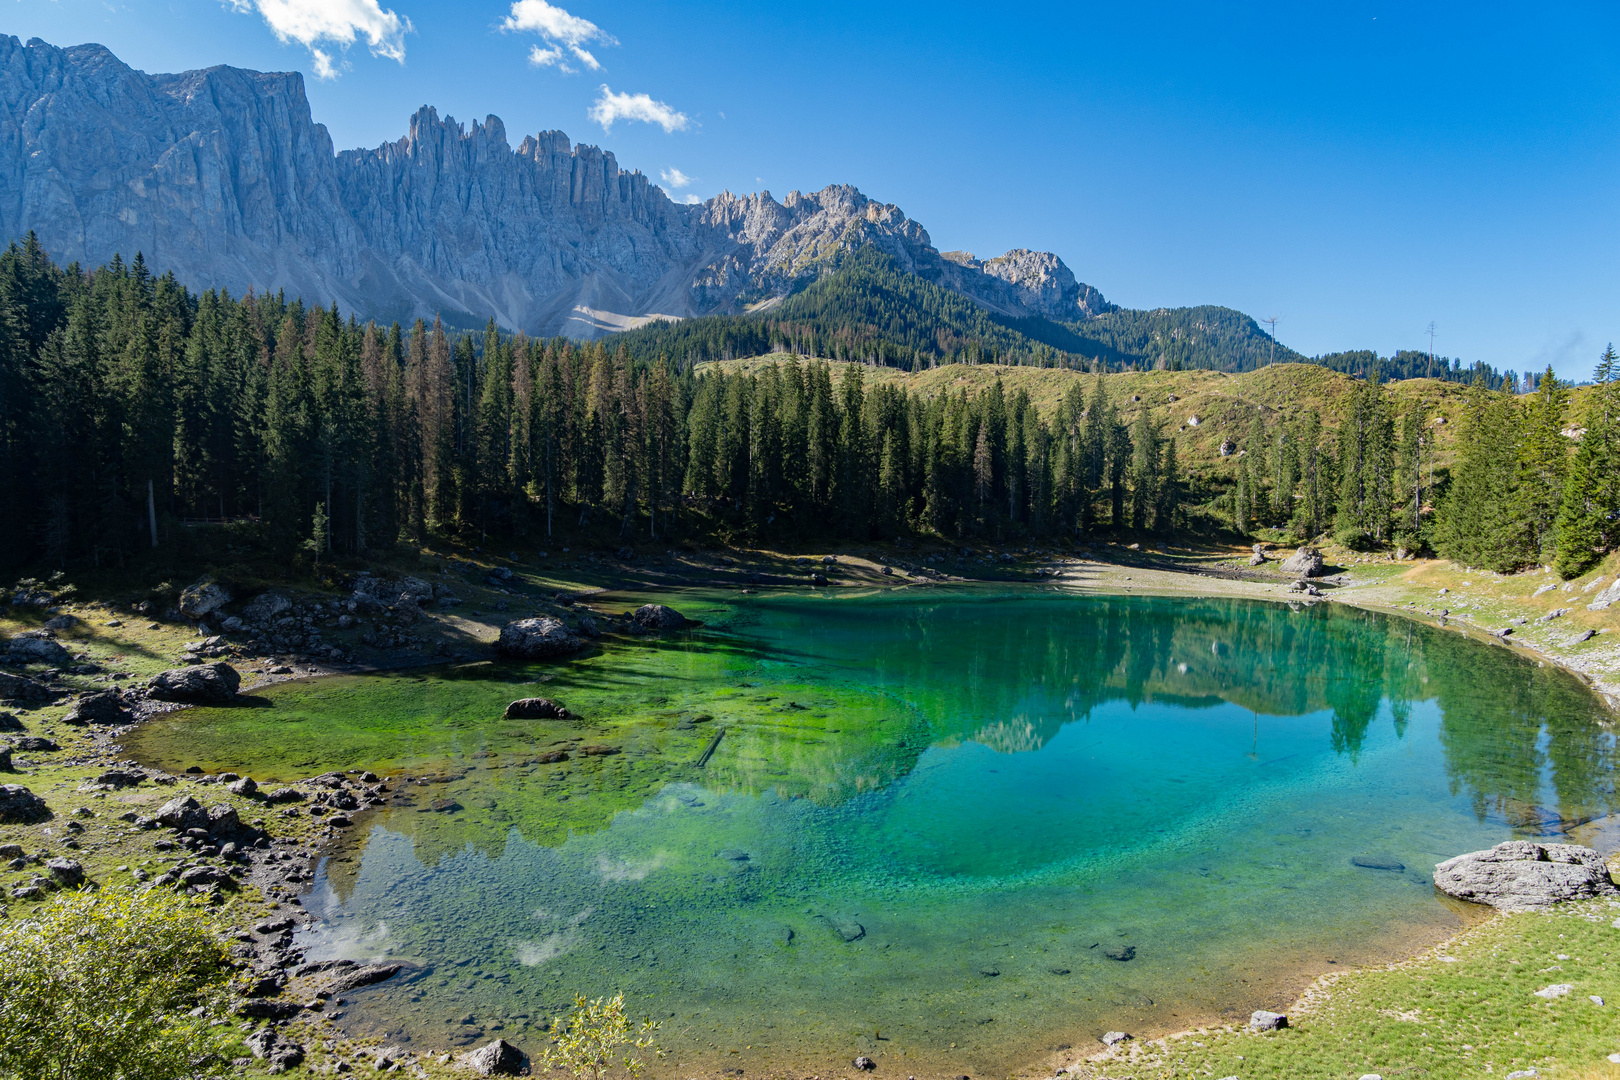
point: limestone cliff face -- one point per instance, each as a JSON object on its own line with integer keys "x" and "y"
{"x": 223, "y": 177}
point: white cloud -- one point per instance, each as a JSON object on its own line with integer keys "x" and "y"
{"x": 339, "y": 22}
{"x": 610, "y": 107}
{"x": 560, "y": 30}
{"x": 692, "y": 200}
{"x": 675, "y": 178}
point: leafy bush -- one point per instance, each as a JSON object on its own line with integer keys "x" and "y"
{"x": 587, "y": 1041}
{"x": 111, "y": 986}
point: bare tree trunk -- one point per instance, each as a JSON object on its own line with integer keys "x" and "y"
{"x": 151, "y": 511}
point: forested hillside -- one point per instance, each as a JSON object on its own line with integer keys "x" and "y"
{"x": 132, "y": 410}
{"x": 869, "y": 310}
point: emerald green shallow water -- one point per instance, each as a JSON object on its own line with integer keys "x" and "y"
{"x": 952, "y": 808}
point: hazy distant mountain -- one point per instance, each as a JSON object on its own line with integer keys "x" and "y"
{"x": 222, "y": 176}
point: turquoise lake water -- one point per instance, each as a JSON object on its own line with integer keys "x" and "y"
{"x": 955, "y": 832}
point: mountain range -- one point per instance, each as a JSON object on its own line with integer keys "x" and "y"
{"x": 223, "y": 176}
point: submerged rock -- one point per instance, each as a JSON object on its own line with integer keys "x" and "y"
{"x": 657, "y": 617}
{"x": 1377, "y": 862}
{"x": 200, "y": 684}
{"x": 1122, "y": 953}
{"x": 536, "y": 708}
{"x": 537, "y": 639}
{"x": 1520, "y": 875}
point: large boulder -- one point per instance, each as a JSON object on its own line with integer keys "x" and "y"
{"x": 657, "y": 617}
{"x": 182, "y": 813}
{"x": 103, "y": 707}
{"x": 37, "y": 647}
{"x": 18, "y": 688}
{"x": 1306, "y": 562}
{"x": 1521, "y": 875}
{"x": 498, "y": 1058}
{"x": 66, "y": 872}
{"x": 202, "y": 598}
{"x": 536, "y": 708}
{"x": 536, "y": 639}
{"x": 19, "y": 806}
{"x": 200, "y": 684}
{"x": 1607, "y": 598}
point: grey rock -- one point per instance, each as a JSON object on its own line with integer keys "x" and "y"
{"x": 5, "y": 760}
{"x": 66, "y": 872}
{"x": 37, "y": 647}
{"x": 1304, "y": 563}
{"x": 537, "y": 639}
{"x": 120, "y": 778}
{"x": 1261, "y": 1020}
{"x": 1122, "y": 953}
{"x": 1606, "y": 598}
{"x": 1520, "y": 875}
{"x": 19, "y": 806}
{"x": 1113, "y": 1038}
{"x": 246, "y": 787}
{"x": 1556, "y": 990}
{"x": 182, "y": 813}
{"x": 266, "y": 606}
{"x": 19, "y": 688}
{"x": 223, "y": 176}
{"x": 498, "y": 1058}
{"x": 368, "y": 975}
{"x": 199, "y": 684}
{"x": 658, "y": 617}
{"x": 864, "y": 1063}
{"x": 103, "y": 707}
{"x": 9, "y": 722}
{"x": 202, "y": 598}
{"x": 536, "y": 708}
{"x": 223, "y": 819}
{"x": 11, "y": 851}
{"x": 35, "y": 744}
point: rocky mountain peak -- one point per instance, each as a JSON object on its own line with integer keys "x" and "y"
{"x": 223, "y": 176}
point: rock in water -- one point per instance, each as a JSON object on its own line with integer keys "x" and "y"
{"x": 499, "y": 1058}
{"x": 203, "y": 598}
{"x": 536, "y": 639}
{"x": 536, "y": 708}
{"x": 658, "y": 617}
{"x": 1520, "y": 875}
{"x": 1122, "y": 953}
{"x": 201, "y": 684}
{"x": 864, "y": 1063}
{"x": 19, "y": 806}
{"x": 1267, "y": 1021}
{"x": 1114, "y": 1038}
{"x": 1306, "y": 562}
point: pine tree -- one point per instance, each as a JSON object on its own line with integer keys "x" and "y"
{"x": 1543, "y": 462}
{"x": 1479, "y": 527}
{"x": 1589, "y": 514}
{"x": 1144, "y": 471}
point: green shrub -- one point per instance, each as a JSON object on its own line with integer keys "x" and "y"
{"x": 111, "y": 986}
{"x": 596, "y": 1035}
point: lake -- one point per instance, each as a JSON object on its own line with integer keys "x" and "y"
{"x": 954, "y": 831}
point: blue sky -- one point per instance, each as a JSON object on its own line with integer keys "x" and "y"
{"x": 1358, "y": 169}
